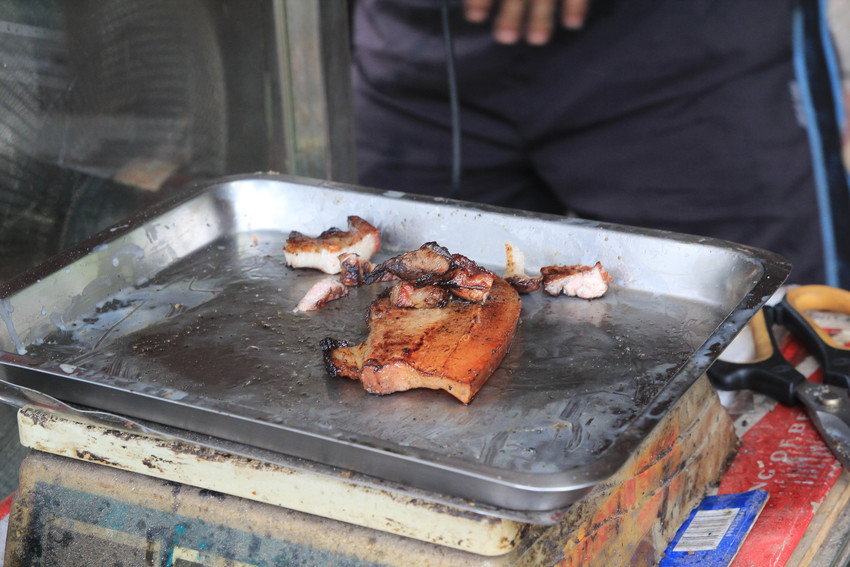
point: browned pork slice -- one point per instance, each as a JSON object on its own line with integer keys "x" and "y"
{"x": 323, "y": 251}
{"x": 455, "y": 348}
{"x": 587, "y": 282}
{"x": 515, "y": 271}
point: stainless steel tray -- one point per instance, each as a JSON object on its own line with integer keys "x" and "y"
{"x": 183, "y": 316}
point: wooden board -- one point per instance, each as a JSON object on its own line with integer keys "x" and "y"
{"x": 807, "y": 551}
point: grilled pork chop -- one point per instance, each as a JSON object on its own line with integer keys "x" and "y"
{"x": 322, "y": 252}
{"x": 455, "y": 347}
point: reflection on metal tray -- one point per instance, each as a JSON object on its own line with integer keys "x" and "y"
{"x": 184, "y": 316}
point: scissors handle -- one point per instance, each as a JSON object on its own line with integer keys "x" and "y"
{"x": 833, "y": 358}
{"x": 769, "y": 373}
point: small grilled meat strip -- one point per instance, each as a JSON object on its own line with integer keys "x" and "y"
{"x": 467, "y": 280}
{"x": 322, "y": 252}
{"x": 524, "y": 284}
{"x": 351, "y": 269}
{"x": 455, "y": 348}
{"x": 515, "y": 271}
{"x": 424, "y": 266}
{"x": 586, "y": 282}
{"x": 325, "y": 290}
{"x": 369, "y": 268}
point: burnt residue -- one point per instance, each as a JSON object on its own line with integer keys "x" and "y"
{"x": 92, "y": 457}
{"x": 199, "y": 451}
{"x": 120, "y": 434}
{"x": 444, "y": 509}
{"x": 61, "y": 338}
{"x": 38, "y": 418}
{"x": 206, "y": 493}
{"x": 176, "y": 487}
{"x": 112, "y": 305}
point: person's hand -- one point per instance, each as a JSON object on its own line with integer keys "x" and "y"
{"x": 533, "y": 20}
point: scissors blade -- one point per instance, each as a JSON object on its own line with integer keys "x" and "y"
{"x": 829, "y": 409}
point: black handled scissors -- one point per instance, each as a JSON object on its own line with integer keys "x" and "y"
{"x": 827, "y": 404}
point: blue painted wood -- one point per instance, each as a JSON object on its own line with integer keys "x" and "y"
{"x": 715, "y": 530}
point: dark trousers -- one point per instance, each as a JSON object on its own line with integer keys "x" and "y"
{"x": 673, "y": 114}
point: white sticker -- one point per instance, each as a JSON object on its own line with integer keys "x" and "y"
{"x": 706, "y": 530}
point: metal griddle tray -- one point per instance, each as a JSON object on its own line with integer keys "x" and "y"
{"x": 183, "y": 316}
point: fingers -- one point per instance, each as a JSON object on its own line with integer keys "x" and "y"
{"x": 532, "y": 19}
{"x": 573, "y": 13}
{"x": 509, "y": 21}
{"x": 477, "y": 11}
{"x": 541, "y": 21}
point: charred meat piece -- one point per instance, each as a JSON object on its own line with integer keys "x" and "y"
{"x": 424, "y": 266}
{"x": 405, "y": 294}
{"x": 524, "y": 283}
{"x": 369, "y": 269}
{"x": 351, "y": 269}
{"x": 455, "y": 348}
{"x": 587, "y": 282}
{"x": 467, "y": 280}
{"x": 515, "y": 271}
{"x": 322, "y": 252}
{"x": 325, "y": 290}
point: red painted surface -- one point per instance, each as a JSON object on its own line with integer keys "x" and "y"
{"x": 785, "y": 455}
{"x": 6, "y": 506}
